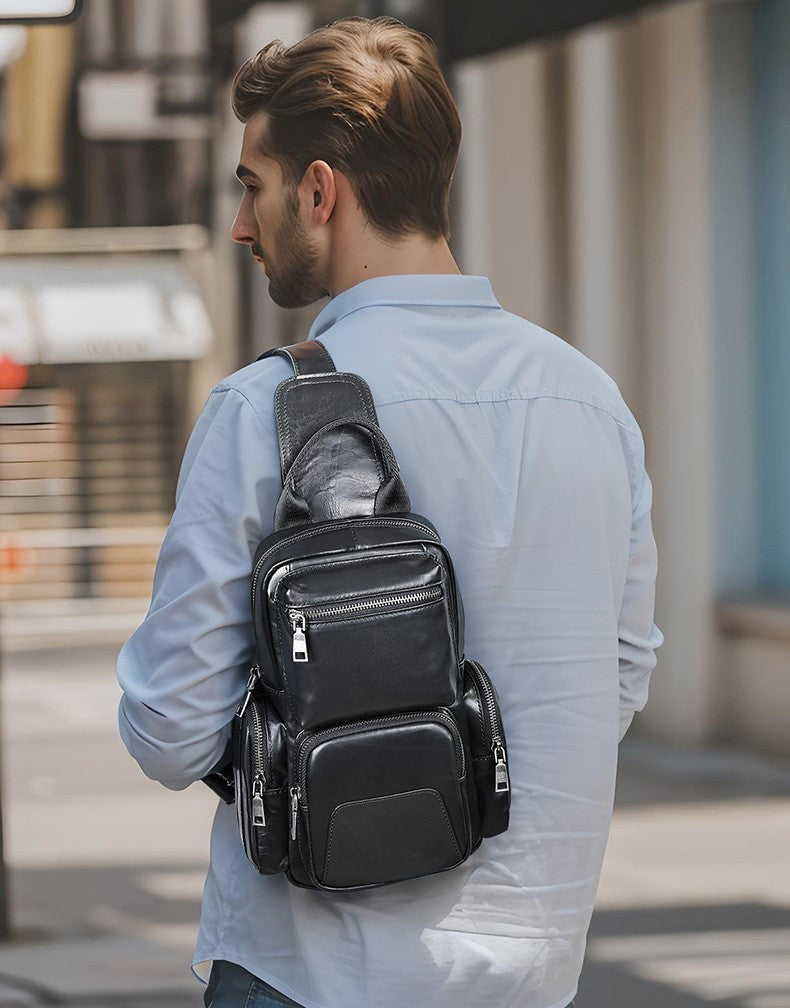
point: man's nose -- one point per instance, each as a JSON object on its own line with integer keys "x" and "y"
{"x": 242, "y": 229}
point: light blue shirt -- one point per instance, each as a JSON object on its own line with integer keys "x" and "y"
{"x": 523, "y": 454}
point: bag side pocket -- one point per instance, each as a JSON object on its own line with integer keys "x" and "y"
{"x": 260, "y": 777}
{"x": 489, "y": 749}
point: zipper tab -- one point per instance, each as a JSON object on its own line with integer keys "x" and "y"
{"x": 254, "y": 673}
{"x": 299, "y": 624}
{"x": 501, "y": 781}
{"x": 294, "y": 810}
{"x": 258, "y": 812}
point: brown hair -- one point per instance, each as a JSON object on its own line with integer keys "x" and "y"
{"x": 368, "y": 97}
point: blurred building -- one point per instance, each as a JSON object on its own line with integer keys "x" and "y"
{"x": 623, "y": 183}
{"x": 626, "y": 186}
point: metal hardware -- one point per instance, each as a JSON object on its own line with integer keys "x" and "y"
{"x": 299, "y": 624}
{"x": 258, "y": 812}
{"x": 338, "y": 525}
{"x": 299, "y": 618}
{"x": 379, "y": 602}
{"x": 501, "y": 781}
{"x": 254, "y": 673}
{"x": 294, "y": 810}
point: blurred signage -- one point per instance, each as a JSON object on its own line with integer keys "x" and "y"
{"x": 14, "y": 561}
{"x": 146, "y": 104}
{"x": 59, "y": 311}
{"x": 24, "y": 11}
{"x": 13, "y": 377}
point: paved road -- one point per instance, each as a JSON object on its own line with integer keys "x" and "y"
{"x": 693, "y": 907}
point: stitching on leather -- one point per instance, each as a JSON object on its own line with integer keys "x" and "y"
{"x": 320, "y": 380}
{"x": 361, "y": 388}
{"x": 283, "y": 673}
{"x": 357, "y": 523}
{"x": 414, "y": 717}
{"x": 354, "y": 559}
{"x": 479, "y": 709}
{"x": 283, "y": 423}
{"x": 380, "y": 798}
{"x": 408, "y": 607}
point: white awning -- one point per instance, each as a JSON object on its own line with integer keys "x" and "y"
{"x": 85, "y": 308}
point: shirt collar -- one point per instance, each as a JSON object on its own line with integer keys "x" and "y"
{"x": 406, "y": 289}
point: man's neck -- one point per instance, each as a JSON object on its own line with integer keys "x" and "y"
{"x": 373, "y": 259}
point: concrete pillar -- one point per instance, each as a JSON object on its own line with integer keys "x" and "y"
{"x": 472, "y": 178}
{"x": 677, "y": 326}
{"x": 512, "y": 171}
{"x": 603, "y": 148}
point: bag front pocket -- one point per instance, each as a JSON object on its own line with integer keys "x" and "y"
{"x": 381, "y": 800}
{"x": 350, "y": 656}
{"x": 260, "y": 779}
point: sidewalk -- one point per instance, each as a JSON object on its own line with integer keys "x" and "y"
{"x": 693, "y": 908}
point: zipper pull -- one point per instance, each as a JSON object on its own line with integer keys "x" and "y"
{"x": 254, "y": 673}
{"x": 294, "y": 810}
{"x": 299, "y": 624}
{"x": 501, "y": 782}
{"x": 258, "y": 812}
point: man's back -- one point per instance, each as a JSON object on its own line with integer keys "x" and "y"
{"x": 523, "y": 455}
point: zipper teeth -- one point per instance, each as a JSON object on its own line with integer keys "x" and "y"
{"x": 309, "y": 532}
{"x": 403, "y": 718}
{"x": 421, "y": 594}
{"x": 257, "y": 738}
{"x": 489, "y": 699}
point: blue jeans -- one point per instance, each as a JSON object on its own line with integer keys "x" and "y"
{"x": 231, "y": 986}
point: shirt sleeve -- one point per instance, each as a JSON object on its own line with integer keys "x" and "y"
{"x": 183, "y": 670}
{"x": 638, "y": 635}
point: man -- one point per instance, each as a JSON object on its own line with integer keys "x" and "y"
{"x": 523, "y": 454}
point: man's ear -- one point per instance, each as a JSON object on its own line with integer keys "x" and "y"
{"x": 321, "y": 181}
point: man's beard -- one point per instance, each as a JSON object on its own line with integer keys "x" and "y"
{"x": 292, "y": 280}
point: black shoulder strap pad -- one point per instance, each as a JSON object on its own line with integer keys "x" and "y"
{"x": 314, "y": 397}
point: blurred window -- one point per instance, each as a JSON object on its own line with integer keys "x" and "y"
{"x": 772, "y": 261}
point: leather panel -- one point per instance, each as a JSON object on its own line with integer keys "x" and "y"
{"x": 346, "y": 469}
{"x": 380, "y": 663}
{"x": 356, "y": 575}
{"x": 305, "y": 405}
{"x": 371, "y": 662}
{"x": 307, "y": 357}
{"x": 388, "y": 839}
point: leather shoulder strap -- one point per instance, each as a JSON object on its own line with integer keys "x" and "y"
{"x": 307, "y": 357}
{"x": 316, "y": 395}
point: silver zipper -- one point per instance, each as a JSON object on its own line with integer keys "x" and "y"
{"x": 299, "y": 624}
{"x": 258, "y": 811}
{"x": 501, "y": 779}
{"x": 295, "y": 793}
{"x": 404, "y": 598}
{"x": 299, "y": 617}
{"x": 501, "y": 782}
{"x": 254, "y": 673}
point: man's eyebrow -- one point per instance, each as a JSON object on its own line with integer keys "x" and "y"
{"x": 243, "y": 172}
